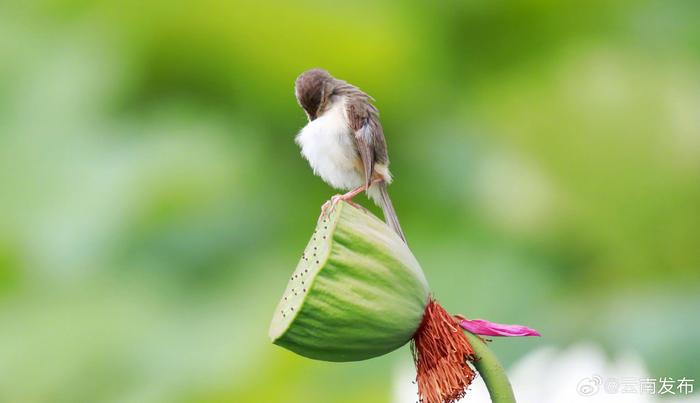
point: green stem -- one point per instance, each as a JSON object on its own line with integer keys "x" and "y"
{"x": 491, "y": 371}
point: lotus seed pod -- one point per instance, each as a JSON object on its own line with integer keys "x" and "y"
{"x": 358, "y": 292}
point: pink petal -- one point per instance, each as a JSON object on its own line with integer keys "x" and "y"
{"x": 486, "y": 328}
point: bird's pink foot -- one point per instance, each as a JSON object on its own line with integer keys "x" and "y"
{"x": 347, "y": 198}
{"x": 329, "y": 205}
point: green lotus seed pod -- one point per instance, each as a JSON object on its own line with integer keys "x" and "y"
{"x": 356, "y": 293}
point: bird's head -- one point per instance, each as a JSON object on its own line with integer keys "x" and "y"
{"x": 313, "y": 88}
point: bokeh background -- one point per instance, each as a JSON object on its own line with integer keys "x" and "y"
{"x": 152, "y": 200}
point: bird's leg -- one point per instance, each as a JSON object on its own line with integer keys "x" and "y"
{"x": 347, "y": 197}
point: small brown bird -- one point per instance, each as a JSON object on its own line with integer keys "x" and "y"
{"x": 343, "y": 141}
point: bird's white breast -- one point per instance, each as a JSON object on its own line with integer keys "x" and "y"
{"x": 327, "y": 144}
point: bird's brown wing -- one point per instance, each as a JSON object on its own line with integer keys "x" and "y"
{"x": 369, "y": 137}
{"x": 363, "y": 118}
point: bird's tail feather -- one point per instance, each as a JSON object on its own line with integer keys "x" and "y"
{"x": 381, "y": 197}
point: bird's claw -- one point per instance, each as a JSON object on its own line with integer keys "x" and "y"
{"x": 329, "y": 205}
{"x": 335, "y": 199}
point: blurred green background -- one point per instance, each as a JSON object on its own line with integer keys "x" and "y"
{"x": 152, "y": 200}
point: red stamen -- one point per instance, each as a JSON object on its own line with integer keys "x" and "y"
{"x": 441, "y": 351}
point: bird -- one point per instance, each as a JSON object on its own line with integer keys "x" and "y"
{"x": 343, "y": 141}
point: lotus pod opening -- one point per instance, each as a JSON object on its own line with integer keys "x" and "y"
{"x": 358, "y": 292}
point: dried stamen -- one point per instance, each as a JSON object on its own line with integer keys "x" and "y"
{"x": 441, "y": 351}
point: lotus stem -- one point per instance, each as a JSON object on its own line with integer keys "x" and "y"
{"x": 491, "y": 371}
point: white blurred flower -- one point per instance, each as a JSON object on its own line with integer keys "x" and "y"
{"x": 579, "y": 374}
